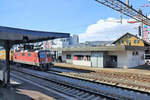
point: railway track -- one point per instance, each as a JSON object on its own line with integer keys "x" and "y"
{"x": 132, "y": 81}
{"x": 69, "y": 91}
{"x": 84, "y": 86}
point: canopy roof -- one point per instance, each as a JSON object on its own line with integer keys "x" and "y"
{"x": 17, "y": 35}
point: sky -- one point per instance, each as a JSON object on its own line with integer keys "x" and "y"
{"x": 86, "y": 18}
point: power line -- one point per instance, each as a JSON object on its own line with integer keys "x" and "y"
{"x": 126, "y": 9}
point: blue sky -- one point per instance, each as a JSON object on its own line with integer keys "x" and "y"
{"x": 71, "y": 16}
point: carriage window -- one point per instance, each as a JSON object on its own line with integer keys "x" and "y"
{"x": 23, "y": 54}
{"x": 17, "y": 53}
{"x": 42, "y": 55}
{"x": 29, "y": 54}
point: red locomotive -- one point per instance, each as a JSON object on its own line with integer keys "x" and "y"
{"x": 38, "y": 59}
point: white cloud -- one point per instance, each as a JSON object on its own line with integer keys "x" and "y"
{"x": 109, "y": 29}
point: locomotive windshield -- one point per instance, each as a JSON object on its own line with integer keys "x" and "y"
{"x": 44, "y": 54}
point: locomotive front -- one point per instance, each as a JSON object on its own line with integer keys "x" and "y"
{"x": 45, "y": 59}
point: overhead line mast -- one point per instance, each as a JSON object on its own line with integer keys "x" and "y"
{"x": 126, "y": 9}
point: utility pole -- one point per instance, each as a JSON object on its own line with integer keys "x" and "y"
{"x": 127, "y": 2}
{"x": 126, "y": 9}
{"x": 121, "y": 15}
{"x": 141, "y": 24}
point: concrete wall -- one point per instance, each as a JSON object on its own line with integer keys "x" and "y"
{"x": 82, "y": 62}
{"x": 127, "y": 60}
{"x": 69, "y": 61}
{"x": 97, "y": 59}
{"x": 76, "y": 62}
{"x": 135, "y": 60}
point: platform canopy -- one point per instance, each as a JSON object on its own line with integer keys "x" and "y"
{"x": 10, "y": 36}
{"x": 17, "y": 35}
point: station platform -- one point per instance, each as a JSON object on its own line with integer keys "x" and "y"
{"x": 142, "y": 69}
{"x": 19, "y": 90}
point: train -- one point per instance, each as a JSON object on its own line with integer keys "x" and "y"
{"x": 37, "y": 59}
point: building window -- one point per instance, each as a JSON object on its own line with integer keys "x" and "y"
{"x": 133, "y": 53}
{"x": 78, "y": 57}
{"x": 121, "y": 41}
{"x": 68, "y": 56}
{"x": 135, "y": 41}
{"x": 75, "y": 57}
{"x": 137, "y": 53}
{"x": 82, "y": 57}
{"x": 128, "y": 42}
{"x": 128, "y": 36}
{"x": 88, "y": 58}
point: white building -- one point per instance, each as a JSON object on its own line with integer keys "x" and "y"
{"x": 105, "y": 56}
{"x": 61, "y": 43}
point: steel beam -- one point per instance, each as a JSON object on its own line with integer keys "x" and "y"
{"x": 126, "y": 9}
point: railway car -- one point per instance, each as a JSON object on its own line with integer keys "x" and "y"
{"x": 39, "y": 59}
{"x": 3, "y": 55}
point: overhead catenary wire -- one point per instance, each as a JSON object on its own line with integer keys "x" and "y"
{"x": 126, "y": 10}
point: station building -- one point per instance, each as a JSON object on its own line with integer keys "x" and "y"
{"x": 126, "y": 52}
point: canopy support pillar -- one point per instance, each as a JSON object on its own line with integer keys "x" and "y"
{"x": 6, "y": 70}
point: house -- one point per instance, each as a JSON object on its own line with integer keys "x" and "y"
{"x": 130, "y": 40}
{"x": 105, "y": 56}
